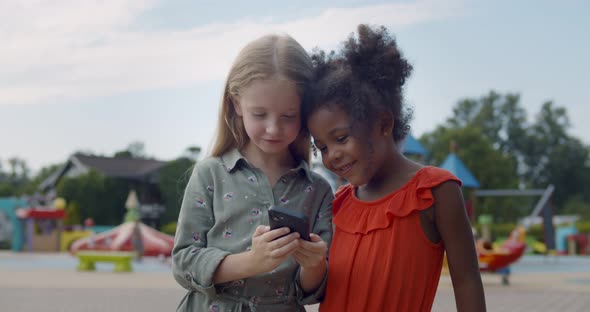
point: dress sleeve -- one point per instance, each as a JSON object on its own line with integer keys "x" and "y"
{"x": 193, "y": 262}
{"x": 322, "y": 227}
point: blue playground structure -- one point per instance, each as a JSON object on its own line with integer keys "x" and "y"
{"x": 8, "y": 206}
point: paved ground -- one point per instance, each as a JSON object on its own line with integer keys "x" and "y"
{"x": 50, "y": 283}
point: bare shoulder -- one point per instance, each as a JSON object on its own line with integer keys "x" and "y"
{"x": 447, "y": 195}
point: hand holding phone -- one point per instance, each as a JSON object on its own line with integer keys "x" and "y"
{"x": 296, "y": 221}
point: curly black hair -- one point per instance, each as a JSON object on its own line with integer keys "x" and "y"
{"x": 364, "y": 79}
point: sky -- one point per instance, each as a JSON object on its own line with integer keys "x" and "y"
{"x": 94, "y": 76}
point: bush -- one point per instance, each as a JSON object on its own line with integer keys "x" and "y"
{"x": 169, "y": 228}
{"x": 583, "y": 227}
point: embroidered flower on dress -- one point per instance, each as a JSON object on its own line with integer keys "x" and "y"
{"x": 308, "y": 189}
{"x": 214, "y": 308}
{"x": 210, "y": 188}
{"x": 255, "y": 212}
{"x": 228, "y": 196}
{"x": 252, "y": 179}
{"x": 197, "y": 237}
{"x": 227, "y": 232}
{"x": 284, "y": 200}
{"x": 201, "y": 203}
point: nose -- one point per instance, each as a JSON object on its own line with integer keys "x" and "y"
{"x": 272, "y": 127}
{"x": 334, "y": 155}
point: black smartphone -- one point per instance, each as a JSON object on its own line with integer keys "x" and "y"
{"x": 296, "y": 221}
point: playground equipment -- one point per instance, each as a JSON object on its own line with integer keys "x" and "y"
{"x": 121, "y": 259}
{"x": 49, "y": 222}
{"x": 494, "y": 259}
{"x": 498, "y": 260}
{"x": 8, "y": 207}
{"x": 120, "y": 239}
{"x": 129, "y": 236}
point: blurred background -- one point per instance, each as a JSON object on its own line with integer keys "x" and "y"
{"x": 106, "y": 105}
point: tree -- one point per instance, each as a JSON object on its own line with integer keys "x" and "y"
{"x": 135, "y": 149}
{"x": 552, "y": 156}
{"x": 173, "y": 179}
{"x": 98, "y": 197}
{"x": 32, "y": 186}
{"x": 492, "y": 168}
{"x": 13, "y": 182}
{"x": 542, "y": 152}
{"x": 193, "y": 152}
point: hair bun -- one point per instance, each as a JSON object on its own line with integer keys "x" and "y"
{"x": 373, "y": 56}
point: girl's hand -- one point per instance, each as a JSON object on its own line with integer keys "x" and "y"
{"x": 311, "y": 254}
{"x": 269, "y": 249}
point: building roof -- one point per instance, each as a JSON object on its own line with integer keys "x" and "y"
{"x": 411, "y": 146}
{"x": 453, "y": 164}
{"x": 121, "y": 167}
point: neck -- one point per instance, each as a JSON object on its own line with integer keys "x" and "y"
{"x": 394, "y": 174}
{"x": 263, "y": 160}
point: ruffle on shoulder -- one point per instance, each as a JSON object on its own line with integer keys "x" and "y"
{"x": 355, "y": 216}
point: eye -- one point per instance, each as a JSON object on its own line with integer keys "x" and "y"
{"x": 321, "y": 148}
{"x": 342, "y": 139}
{"x": 258, "y": 114}
{"x": 289, "y": 116}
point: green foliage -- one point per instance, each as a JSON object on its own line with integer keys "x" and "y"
{"x": 577, "y": 206}
{"x": 536, "y": 231}
{"x": 7, "y": 190}
{"x": 504, "y": 151}
{"x": 583, "y": 227}
{"x": 173, "y": 179}
{"x": 73, "y": 214}
{"x": 169, "y": 228}
{"x": 552, "y": 156}
{"x": 17, "y": 181}
{"x": 99, "y": 197}
{"x": 134, "y": 150}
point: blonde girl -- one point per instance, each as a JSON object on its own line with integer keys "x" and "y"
{"x": 225, "y": 253}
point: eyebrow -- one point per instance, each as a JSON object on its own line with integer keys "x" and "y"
{"x": 292, "y": 110}
{"x": 339, "y": 129}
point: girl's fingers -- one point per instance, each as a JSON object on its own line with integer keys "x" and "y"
{"x": 314, "y": 238}
{"x": 261, "y": 229}
{"x": 317, "y": 246}
{"x": 274, "y": 234}
{"x": 285, "y": 250}
{"x": 300, "y": 252}
{"x": 282, "y": 241}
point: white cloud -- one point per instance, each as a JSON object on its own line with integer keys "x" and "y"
{"x": 72, "y": 49}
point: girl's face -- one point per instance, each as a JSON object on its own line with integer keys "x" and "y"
{"x": 270, "y": 110}
{"x": 349, "y": 152}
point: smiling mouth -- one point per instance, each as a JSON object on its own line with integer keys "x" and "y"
{"x": 344, "y": 169}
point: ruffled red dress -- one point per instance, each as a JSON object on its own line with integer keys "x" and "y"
{"x": 380, "y": 259}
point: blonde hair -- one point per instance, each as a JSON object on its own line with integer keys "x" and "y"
{"x": 268, "y": 57}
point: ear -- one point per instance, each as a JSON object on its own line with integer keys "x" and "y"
{"x": 386, "y": 124}
{"x": 236, "y": 103}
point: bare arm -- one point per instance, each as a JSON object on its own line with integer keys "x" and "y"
{"x": 455, "y": 230}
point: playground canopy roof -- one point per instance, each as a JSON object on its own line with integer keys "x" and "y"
{"x": 453, "y": 164}
{"x": 413, "y": 147}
